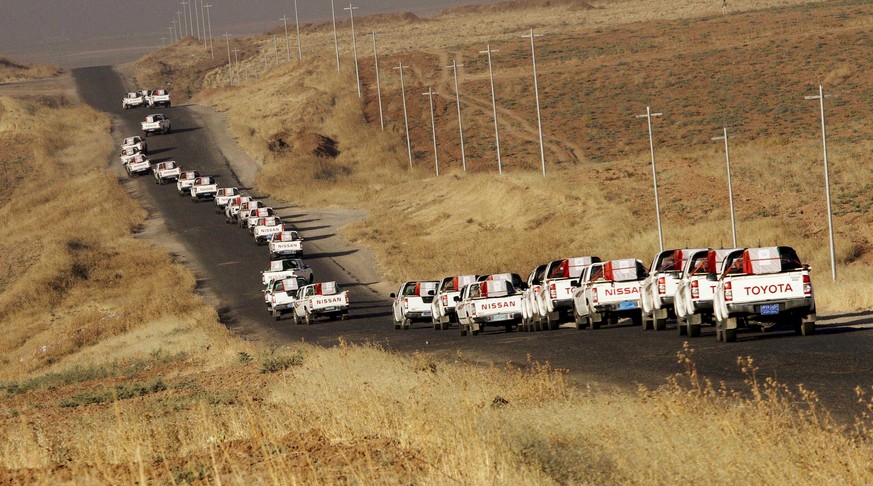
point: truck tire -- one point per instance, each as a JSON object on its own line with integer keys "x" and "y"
{"x": 344, "y": 316}
{"x": 660, "y": 324}
{"x": 730, "y": 335}
{"x": 592, "y": 324}
{"x": 682, "y": 326}
{"x": 508, "y": 327}
{"x": 406, "y": 324}
{"x": 807, "y": 328}
{"x": 694, "y": 330}
{"x": 436, "y": 325}
{"x": 551, "y": 324}
{"x": 636, "y": 319}
{"x": 308, "y": 319}
{"x": 646, "y": 320}
{"x": 296, "y": 319}
{"x": 580, "y": 324}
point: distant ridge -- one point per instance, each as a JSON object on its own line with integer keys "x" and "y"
{"x": 517, "y": 4}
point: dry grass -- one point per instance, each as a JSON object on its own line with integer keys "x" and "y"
{"x": 358, "y": 414}
{"x": 11, "y": 71}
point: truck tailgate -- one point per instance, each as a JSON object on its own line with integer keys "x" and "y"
{"x": 764, "y": 288}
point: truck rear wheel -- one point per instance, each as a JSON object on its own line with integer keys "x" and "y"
{"x": 592, "y": 323}
{"x": 580, "y": 324}
{"x": 682, "y": 326}
{"x": 730, "y": 335}
{"x": 463, "y": 329}
{"x": 308, "y": 319}
{"x": 660, "y": 324}
{"x": 694, "y": 330}
{"x": 406, "y": 324}
{"x": 646, "y": 320}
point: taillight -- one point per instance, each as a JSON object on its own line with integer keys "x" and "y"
{"x": 594, "y": 294}
{"x": 695, "y": 290}
{"x": 347, "y": 299}
{"x": 807, "y": 286}
{"x": 728, "y": 291}
{"x": 662, "y": 286}
{"x": 473, "y": 310}
{"x": 553, "y": 291}
{"x": 273, "y": 298}
{"x": 445, "y": 300}
{"x": 406, "y": 303}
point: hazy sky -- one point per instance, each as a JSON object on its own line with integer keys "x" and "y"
{"x": 75, "y": 33}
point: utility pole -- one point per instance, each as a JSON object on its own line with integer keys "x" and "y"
{"x": 179, "y": 23}
{"x": 209, "y": 18}
{"x": 727, "y": 156}
{"x": 533, "y": 57}
{"x": 488, "y": 50}
{"x": 184, "y": 4}
{"x": 824, "y": 142}
{"x": 197, "y": 19}
{"x": 436, "y": 159}
{"x": 236, "y": 56}
{"x": 335, "y": 41}
{"x": 297, "y": 22}
{"x": 351, "y": 10}
{"x": 203, "y": 9}
{"x": 190, "y": 18}
{"x": 648, "y": 116}
{"x": 378, "y": 83}
{"x": 284, "y": 20}
{"x": 163, "y": 42}
{"x": 229, "y": 64}
{"x": 276, "y": 49}
{"x": 405, "y": 116}
{"x": 455, "y": 67}
{"x": 172, "y": 29}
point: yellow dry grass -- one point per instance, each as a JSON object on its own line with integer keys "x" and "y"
{"x": 11, "y": 71}
{"x": 360, "y": 415}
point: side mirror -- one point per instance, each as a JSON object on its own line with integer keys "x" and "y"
{"x": 712, "y": 277}
{"x": 574, "y": 283}
{"x": 457, "y": 298}
{"x": 392, "y": 295}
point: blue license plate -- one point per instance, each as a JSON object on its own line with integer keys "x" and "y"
{"x": 769, "y": 309}
{"x": 426, "y": 314}
{"x": 627, "y": 305}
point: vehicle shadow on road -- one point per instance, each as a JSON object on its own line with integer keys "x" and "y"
{"x": 160, "y": 151}
{"x": 320, "y": 237}
{"x": 314, "y": 256}
{"x": 370, "y": 315}
{"x": 186, "y": 130}
{"x": 312, "y": 228}
{"x": 289, "y": 220}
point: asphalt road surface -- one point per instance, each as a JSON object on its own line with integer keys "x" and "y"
{"x": 833, "y": 362}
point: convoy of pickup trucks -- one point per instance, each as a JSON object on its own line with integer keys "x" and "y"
{"x": 731, "y": 289}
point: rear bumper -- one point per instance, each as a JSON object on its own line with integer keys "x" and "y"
{"x": 799, "y": 306}
{"x": 504, "y": 318}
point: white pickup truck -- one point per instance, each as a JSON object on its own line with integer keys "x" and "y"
{"x": 763, "y": 288}
{"x": 130, "y": 152}
{"x": 530, "y": 316}
{"x": 281, "y": 294}
{"x": 266, "y": 227}
{"x": 555, "y": 299}
{"x": 164, "y": 171}
{"x": 185, "y": 181}
{"x": 248, "y": 217}
{"x": 412, "y": 302}
{"x": 231, "y": 210}
{"x": 223, "y": 196}
{"x": 241, "y": 213}
{"x": 692, "y": 302}
{"x": 488, "y": 303}
{"x": 443, "y": 305}
{"x": 137, "y": 165}
{"x": 135, "y": 141}
{"x": 203, "y": 188}
{"x": 286, "y": 244}
{"x": 321, "y": 299}
{"x": 606, "y": 292}
{"x": 132, "y": 100}
{"x": 159, "y": 97}
{"x": 289, "y": 267}
{"x": 660, "y": 286}
{"x": 156, "y": 124}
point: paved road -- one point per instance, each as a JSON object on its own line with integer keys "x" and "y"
{"x": 833, "y": 362}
